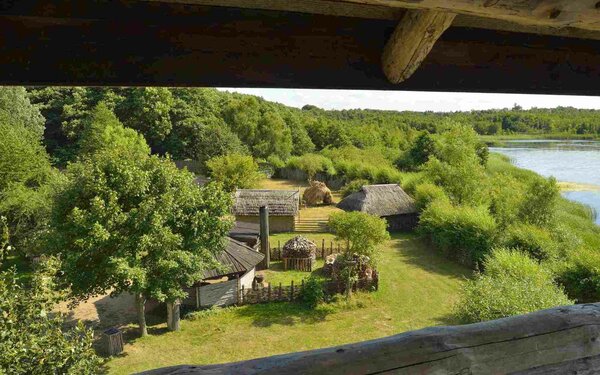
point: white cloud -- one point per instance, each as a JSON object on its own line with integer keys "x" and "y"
{"x": 415, "y": 100}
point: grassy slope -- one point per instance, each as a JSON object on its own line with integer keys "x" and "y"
{"x": 418, "y": 288}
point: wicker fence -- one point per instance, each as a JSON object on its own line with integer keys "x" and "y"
{"x": 291, "y": 292}
{"x": 323, "y": 250}
{"x": 298, "y": 264}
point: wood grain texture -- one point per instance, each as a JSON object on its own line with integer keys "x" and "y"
{"x": 558, "y": 340}
{"x": 158, "y": 44}
{"x": 552, "y": 17}
{"x": 411, "y": 42}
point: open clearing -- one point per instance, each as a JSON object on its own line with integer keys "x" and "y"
{"x": 418, "y": 288}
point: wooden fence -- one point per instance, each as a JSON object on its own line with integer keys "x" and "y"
{"x": 298, "y": 264}
{"x": 324, "y": 249}
{"x": 291, "y": 292}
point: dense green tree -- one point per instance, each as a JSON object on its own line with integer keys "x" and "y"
{"x": 234, "y": 171}
{"x": 138, "y": 225}
{"x": 363, "y": 233}
{"x": 32, "y": 339}
{"x": 16, "y": 110}
{"x": 242, "y": 114}
{"x": 147, "y": 110}
{"x": 273, "y": 137}
{"x": 103, "y": 132}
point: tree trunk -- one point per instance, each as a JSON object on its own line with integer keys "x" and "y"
{"x": 140, "y": 304}
{"x": 173, "y": 317}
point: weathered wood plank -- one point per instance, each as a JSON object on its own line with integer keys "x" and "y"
{"x": 558, "y": 340}
{"x": 168, "y": 45}
{"x": 379, "y": 11}
{"x": 581, "y": 14}
{"x": 411, "y": 42}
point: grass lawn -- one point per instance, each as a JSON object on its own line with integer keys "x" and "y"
{"x": 418, "y": 288}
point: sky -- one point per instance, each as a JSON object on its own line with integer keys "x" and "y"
{"x": 415, "y": 100}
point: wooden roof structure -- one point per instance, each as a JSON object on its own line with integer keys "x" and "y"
{"x": 236, "y": 258}
{"x": 247, "y": 202}
{"x": 525, "y": 46}
{"x": 380, "y": 200}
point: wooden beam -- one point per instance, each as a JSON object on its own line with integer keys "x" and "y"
{"x": 555, "y": 341}
{"x": 571, "y": 18}
{"x": 158, "y": 44}
{"x": 411, "y": 42}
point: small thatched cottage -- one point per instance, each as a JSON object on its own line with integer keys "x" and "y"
{"x": 388, "y": 201}
{"x": 283, "y": 207}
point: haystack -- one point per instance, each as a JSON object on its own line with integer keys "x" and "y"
{"x": 317, "y": 192}
{"x": 299, "y": 247}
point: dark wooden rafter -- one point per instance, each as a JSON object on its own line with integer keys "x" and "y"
{"x": 169, "y": 44}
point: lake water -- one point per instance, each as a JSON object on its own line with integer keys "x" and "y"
{"x": 572, "y": 161}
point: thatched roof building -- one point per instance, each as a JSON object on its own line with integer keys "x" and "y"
{"x": 388, "y": 201}
{"x": 236, "y": 259}
{"x": 283, "y": 207}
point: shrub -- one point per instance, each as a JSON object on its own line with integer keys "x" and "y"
{"x": 353, "y": 186}
{"x": 311, "y": 164}
{"x": 464, "y": 233}
{"x": 426, "y": 193}
{"x": 312, "y": 294}
{"x": 363, "y": 232}
{"x": 535, "y": 241}
{"x": 540, "y": 201}
{"x": 581, "y": 276}
{"x": 512, "y": 284}
{"x": 234, "y": 171}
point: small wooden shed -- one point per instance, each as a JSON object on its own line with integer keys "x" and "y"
{"x": 387, "y": 201}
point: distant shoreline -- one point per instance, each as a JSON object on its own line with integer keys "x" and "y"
{"x": 577, "y": 186}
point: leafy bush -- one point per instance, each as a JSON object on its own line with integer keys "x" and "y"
{"x": 234, "y": 171}
{"x": 426, "y": 193}
{"x": 311, "y": 164}
{"x": 464, "y": 233}
{"x": 353, "y": 186}
{"x": 363, "y": 232}
{"x": 581, "y": 276}
{"x": 535, "y": 241}
{"x": 312, "y": 294}
{"x": 540, "y": 201}
{"x": 512, "y": 284}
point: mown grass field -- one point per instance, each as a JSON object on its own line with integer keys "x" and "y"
{"x": 418, "y": 288}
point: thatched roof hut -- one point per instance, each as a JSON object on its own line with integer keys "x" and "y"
{"x": 317, "y": 193}
{"x": 388, "y": 201}
{"x": 299, "y": 247}
{"x": 280, "y": 202}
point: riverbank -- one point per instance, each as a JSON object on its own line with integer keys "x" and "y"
{"x": 499, "y": 140}
{"x": 577, "y": 186}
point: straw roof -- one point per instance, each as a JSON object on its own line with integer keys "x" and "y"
{"x": 280, "y": 202}
{"x": 235, "y": 258}
{"x": 379, "y": 200}
{"x": 299, "y": 247}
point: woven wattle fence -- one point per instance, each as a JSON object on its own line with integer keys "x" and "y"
{"x": 299, "y": 264}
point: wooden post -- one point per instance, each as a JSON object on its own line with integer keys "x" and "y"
{"x": 242, "y": 300}
{"x": 411, "y": 42}
{"x": 269, "y": 292}
{"x": 264, "y": 235}
{"x": 323, "y": 248}
{"x": 280, "y": 292}
{"x": 238, "y": 284}
{"x": 279, "y": 248}
{"x": 197, "y": 289}
{"x": 292, "y": 291}
{"x": 114, "y": 341}
{"x": 330, "y": 247}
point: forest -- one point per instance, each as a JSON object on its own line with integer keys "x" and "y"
{"x": 87, "y": 178}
